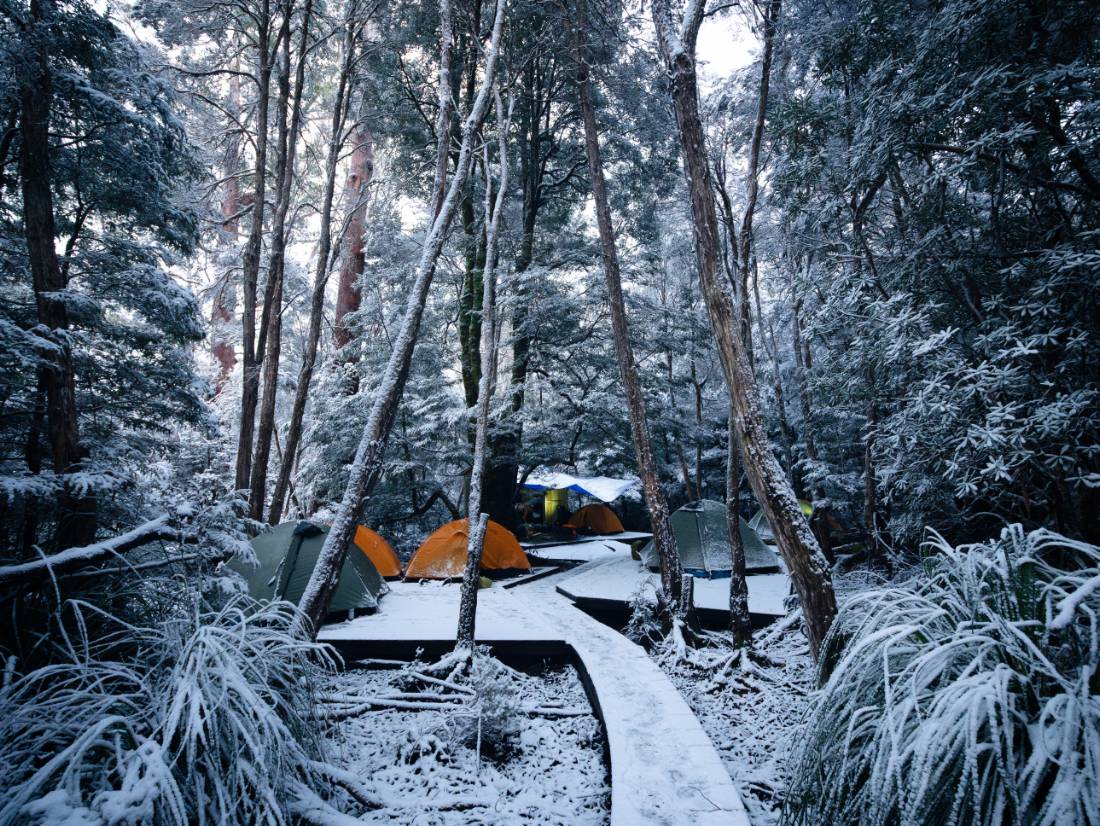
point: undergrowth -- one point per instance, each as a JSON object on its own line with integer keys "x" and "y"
{"x": 968, "y": 694}
{"x": 207, "y": 720}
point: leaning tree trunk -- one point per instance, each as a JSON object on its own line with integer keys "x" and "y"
{"x": 671, "y": 571}
{"x": 76, "y": 517}
{"x": 797, "y": 544}
{"x": 367, "y": 466}
{"x": 320, "y": 280}
{"x": 477, "y": 521}
{"x": 288, "y": 144}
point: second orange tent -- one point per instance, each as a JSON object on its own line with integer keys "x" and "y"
{"x": 443, "y": 554}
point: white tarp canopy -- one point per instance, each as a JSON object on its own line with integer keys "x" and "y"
{"x": 603, "y": 488}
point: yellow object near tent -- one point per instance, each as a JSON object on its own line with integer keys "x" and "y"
{"x": 595, "y": 518}
{"x": 378, "y": 551}
{"x": 443, "y": 554}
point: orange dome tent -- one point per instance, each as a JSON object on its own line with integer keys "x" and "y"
{"x": 443, "y": 554}
{"x": 378, "y": 550}
{"x": 595, "y": 518}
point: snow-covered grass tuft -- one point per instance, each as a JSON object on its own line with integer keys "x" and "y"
{"x": 969, "y": 694}
{"x": 208, "y": 719}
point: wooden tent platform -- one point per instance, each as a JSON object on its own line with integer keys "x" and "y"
{"x": 664, "y": 769}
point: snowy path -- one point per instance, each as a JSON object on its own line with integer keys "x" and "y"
{"x": 664, "y": 768}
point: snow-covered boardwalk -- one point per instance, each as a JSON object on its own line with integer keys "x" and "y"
{"x": 615, "y": 578}
{"x": 664, "y": 768}
{"x": 428, "y": 612}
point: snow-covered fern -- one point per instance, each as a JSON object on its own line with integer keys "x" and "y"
{"x": 968, "y": 695}
{"x": 199, "y": 719}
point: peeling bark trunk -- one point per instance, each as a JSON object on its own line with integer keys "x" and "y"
{"x": 360, "y": 174}
{"x": 76, "y": 512}
{"x": 672, "y": 573}
{"x": 367, "y": 466}
{"x": 799, "y": 548}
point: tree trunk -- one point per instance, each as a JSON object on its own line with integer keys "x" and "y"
{"x": 740, "y": 620}
{"x": 663, "y": 539}
{"x": 76, "y": 517}
{"x": 360, "y": 173}
{"x": 320, "y": 278}
{"x": 500, "y": 480}
{"x": 271, "y": 329}
{"x": 476, "y": 520}
{"x": 800, "y": 550}
{"x": 786, "y": 434}
{"x": 802, "y": 365}
{"x": 367, "y": 466}
{"x": 250, "y": 264}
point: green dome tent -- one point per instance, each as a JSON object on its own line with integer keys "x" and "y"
{"x": 762, "y": 526}
{"x": 287, "y": 555}
{"x": 703, "y": 542}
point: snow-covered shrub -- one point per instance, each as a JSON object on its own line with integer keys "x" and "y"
{"x": 967, "y": 695}
{"x": 207, "y": 720}
{"x": 492, "y": 724}
{"x": 644, "y": 625}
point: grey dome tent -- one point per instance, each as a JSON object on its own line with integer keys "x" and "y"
{"x": 287, "y": 555}
{"x": 703, "y": 542}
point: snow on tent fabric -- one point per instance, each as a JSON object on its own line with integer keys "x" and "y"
{"x": 703, "y": 542}
{"x": 378, "y": 551}
{"x": 287, "y": 555}
{"x": 603, "y": 488}
{"x": 595, "y": 519}
{"x": 443, "y": 554}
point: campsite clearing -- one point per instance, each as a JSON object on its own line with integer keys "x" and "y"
{"x": 645, "y": 717}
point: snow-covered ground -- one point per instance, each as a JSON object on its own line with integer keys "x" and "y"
{"x": 755, "y": 723}
{"x": 423, "y": 766}
{"x": 754, "y": 730}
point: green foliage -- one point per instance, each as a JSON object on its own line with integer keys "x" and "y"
{"x": 936, "y": 181}
{"x": 121, "y": 165}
